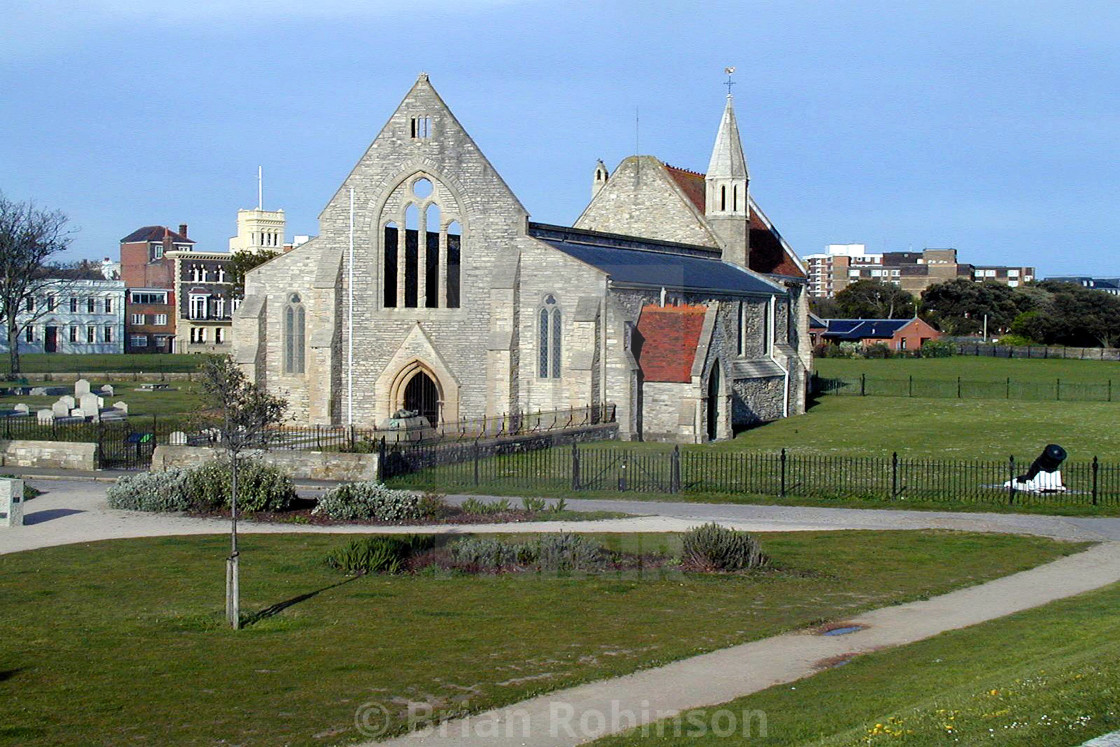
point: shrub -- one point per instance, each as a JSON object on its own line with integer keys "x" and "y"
{"x": 937, "y": 349}
{"x": 534, "y": 505}
{"x": 712, "y": 547}
{"x": 878, "y": 350}
{"x": 548, "y": 552}
{"x": 476, "y": 506}
{"x": 1016, "y": 340}
{"x": 260, "y": 487}
{"x": 378, "y": 554}
{"x": 432, "y": 505}
{"x": 152, "y": 491}
{"x": 368, "y": 500}
{"x": 28, "y": 491}
{"x": 559, "y": 507}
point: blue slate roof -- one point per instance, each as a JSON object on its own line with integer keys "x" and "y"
{"x": 654, "y": 264}
{"x": 861, "y": 329}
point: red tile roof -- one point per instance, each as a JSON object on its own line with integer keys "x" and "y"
{"x": 667, "y": 342}
{"x": 768, "y": 256}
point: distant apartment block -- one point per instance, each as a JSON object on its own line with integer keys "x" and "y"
{"x": 1105, "y": 285}
{"x": 843, "y": 264}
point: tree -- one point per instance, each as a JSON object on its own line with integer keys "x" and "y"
{"x": 240, "y": 265}
{"x": 958, "y": 307}
{"x": 874, "y": 299}
{"x": 29, "y": 237}
{"x": 244, "y": 414}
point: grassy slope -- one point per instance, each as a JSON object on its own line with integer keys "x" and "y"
{"x": 120, "y": 641}
{"x": 1049, "y": 676}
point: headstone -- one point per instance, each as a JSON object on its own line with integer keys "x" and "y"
{"x": 38, "y": 391}
{"x": 70, "y": 401}
{"x": 60, "y": 409}
{"x": 100, "y": 402}
{"x": 22, "y": 409}
{"x": 122, "y": 406}
{"x": 107, "y": 390}
{"x": 178, "y": 438}
{"x": 90, "y": 405}
{"x": 81, "y": 388}
{"x": 11, "y": 502}
{"x": 45, "y": 417}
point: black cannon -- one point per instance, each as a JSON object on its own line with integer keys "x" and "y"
{"x": 1049, "y": 460}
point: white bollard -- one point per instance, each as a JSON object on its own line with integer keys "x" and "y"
{"x": 11, "y": 502}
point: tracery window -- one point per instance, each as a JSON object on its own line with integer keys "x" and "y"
{"x": 294, "y": 328}
{"x": 421, "y": 254}
{"x": 550, "y": 334}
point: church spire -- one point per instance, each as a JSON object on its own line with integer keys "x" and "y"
{"x": 726, "y": 203}
{"x": 728, "y": 161}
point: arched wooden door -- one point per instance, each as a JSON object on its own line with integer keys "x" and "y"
{"x": 422, "y": 394}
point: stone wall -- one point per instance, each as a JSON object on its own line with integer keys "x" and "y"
{"x": 48, "y": 454}
{"x": 669, "y": 412}
{"x": 304, "y": 465}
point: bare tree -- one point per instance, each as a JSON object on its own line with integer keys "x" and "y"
{"x": 244, "y": 414}
{"x": 29, "y": 237}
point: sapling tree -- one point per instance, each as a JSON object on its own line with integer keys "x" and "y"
{"x": 243, "y": 418}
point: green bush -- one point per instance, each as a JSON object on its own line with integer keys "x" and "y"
{"x": 712, "y": 547}
{"x": 369, "y": 500}
{"x": 480, "y": 507}
{"x": 378, "y": 554}
{"x": 260, "y": 487}
{"x": 938, "y": 349}
{"x": 152, "y": 491}
{"x": 878, "y": 350}
{"x": 432, "y": 505}
{"x": 1016, "y": 340}
{"x": 534, "y": 505}
{"x": 28, "y": 491}
{"x": 547, "y": 552}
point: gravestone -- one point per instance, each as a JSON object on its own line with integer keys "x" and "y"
{"x": 45, "y": 417}
{"x": 178, "y": 438}
{"x": 22, "y": 409}
{"x": 11, "y": 502}
{"x": 60, "y": 409}
{"x": 70, "y": 401}
{"x": 81, "y": 388}
{"x": 122, "y": 406}
{"x": 107, "y": 390}
{"x": 90, "y": 405}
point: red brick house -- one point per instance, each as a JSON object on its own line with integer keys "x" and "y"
{"x": 897, "y": 334}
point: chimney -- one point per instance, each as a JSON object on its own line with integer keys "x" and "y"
{"x": 183, "y": 230}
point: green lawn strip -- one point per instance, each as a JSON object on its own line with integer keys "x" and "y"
{"x": 121, "y": 641}
{"x": 1048, "y": 676}
{"x": 40, "y": 363}
{"x": 180, "y": 401}
{"x": 974, "y": 368}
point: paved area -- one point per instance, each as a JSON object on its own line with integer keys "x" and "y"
{"x": 74, "y": 510}
{"x": 1107, "y": 740}
{"x": 573, "y": 716}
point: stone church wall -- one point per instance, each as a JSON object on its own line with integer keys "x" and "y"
{"x": 638, "y": 200}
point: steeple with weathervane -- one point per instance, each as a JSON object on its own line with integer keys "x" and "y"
{"x": 726, "y": 204}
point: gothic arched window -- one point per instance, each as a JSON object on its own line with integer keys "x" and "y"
{"x": 294, "y": 329}
{"x": 551, "y": 330}
{"x": 421, "y": 259}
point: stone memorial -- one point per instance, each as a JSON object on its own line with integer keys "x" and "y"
{"x": 11, "y": 502}
{"x": 81, "y": 388}
{"x": 122, "y": 406}
{"x": 107, "y": 390}
{"x": 177, "y": 438}
{"x": 22, "y": 409}
{"x": 60, "y": 409}
{"x": 45, "y": 417}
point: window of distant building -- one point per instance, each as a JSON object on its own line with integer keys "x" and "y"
{"x": 421, "y": 127}
{"x": 139, "y": 341}
{"x": 108, "y": 336}
{"x": 550, "y": 330}
{"x": 198, "y": 306}
{"x": 29, "y": 334}
{"x": 294, "y": 332}
{"x": 73, "y": 305}
{"x": 73, "y": 334}
{"x": 160, "y": 320}
{"x": 155, "y": 251}
{"x": 90, "y": 334}
{"x": 108, "y": 305}
{"x": 90, "y": 305}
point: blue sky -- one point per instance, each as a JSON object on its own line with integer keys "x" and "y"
{"x": 987, "y": 126}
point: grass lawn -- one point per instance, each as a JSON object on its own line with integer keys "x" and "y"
{"x": 39, "y": 363}
{"x": 119, "y": 642}
{"x": 944, "y": 428}
{"x": 182, "y": 398}
{"x": 1049, "y": 676}
{"x": 973, "y": 368}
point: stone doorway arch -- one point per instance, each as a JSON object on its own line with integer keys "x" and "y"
{"x": 417, "y": 387}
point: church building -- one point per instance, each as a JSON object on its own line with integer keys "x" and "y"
{"x": 428, "y": 288}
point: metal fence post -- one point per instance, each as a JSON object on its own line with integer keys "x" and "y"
{"x": 476, "y": 455}
{"x": 894, "y": 475}
{"x": 1110, "y": 390}
{"x": 958, "y": 387}
{"x": 622, "y": 474}
{"x": 1058, "y": 390}
{"x": 1008, "y": 388}
{"x": 863, "y": 385}
{"x": 1011, "y": 483}
{"x": 382, "y": 454}
{"x": 575, "y": 466}
{"x": 1096, "y": 469}
{"x": 675, "y": 471}
{"x": 782, "y": 491}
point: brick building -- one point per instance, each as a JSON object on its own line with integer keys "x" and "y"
{"x": 428, "y": 289}
{"x": 897, "y": 334}
{"x": 148, "y": 273}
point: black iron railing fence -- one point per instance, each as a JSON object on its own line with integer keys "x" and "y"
{"x": 576, "y": 468}
{"x": 1035, "y": 390}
